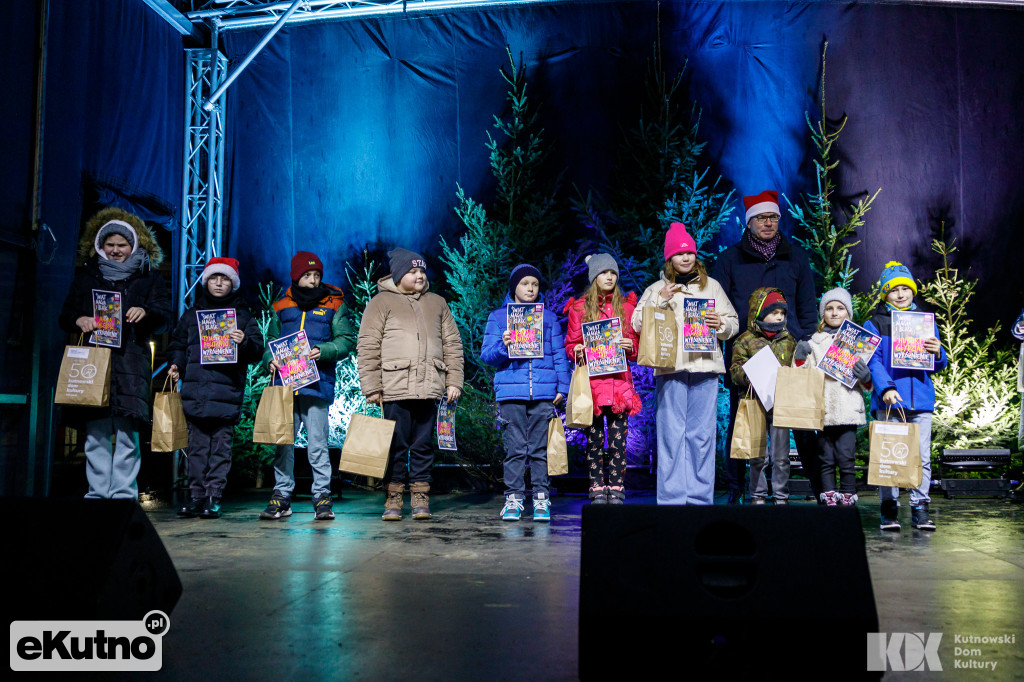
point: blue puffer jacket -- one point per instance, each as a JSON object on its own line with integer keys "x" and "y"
{"x": 914, "y": 385}
{"x": 536, "y": 379}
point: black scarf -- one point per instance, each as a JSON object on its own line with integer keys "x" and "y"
{"x": 306, "y": 299}
{"x": 207, "y": 301}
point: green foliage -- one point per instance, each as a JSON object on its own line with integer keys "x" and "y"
{"x": 829, "y": 245}
{"x": 521, "y": 223}
{"x": 976, "y": 398}
{"x": 658, "y": 180}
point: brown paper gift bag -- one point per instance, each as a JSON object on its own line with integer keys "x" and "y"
{"x": 367, "y": 446}
{"x": 799, "y": 399}
{"x": 659, "y": 338}
{"x": 273, "y": 423}
{"x": 558, "y": 455}
{"x": 84, "y": 377}
{"x": 895, "y": 454}
{"x": 579, "y": 411}
{"x": 170, "y": 430}
{"x": 750, "y": 432}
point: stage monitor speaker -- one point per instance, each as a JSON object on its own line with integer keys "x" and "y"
{"x": 81, "y": 559}
{"x": 672, "y": 591}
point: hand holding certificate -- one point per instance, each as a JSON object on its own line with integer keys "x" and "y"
{"x": 292, "y": 355}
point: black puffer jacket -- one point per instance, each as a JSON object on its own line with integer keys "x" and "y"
{"x": 130, "y": 364}
{"x": 213, "y": 391}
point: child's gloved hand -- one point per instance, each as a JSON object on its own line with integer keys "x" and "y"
{"x": 803, "y": 349}
{"x": 861, "y": 371}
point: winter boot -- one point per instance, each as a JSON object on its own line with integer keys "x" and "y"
{"x": 888, "y": 516}
{"x": 616, "y": 495}
{"x": 599, "y": 495}
{"x": 919, "y": 517}
{"x": 211, "y": 510}
{"x": 420, "y": 500}
{"x": 393, "y": 503}
{"x": 192, "y": 508}
{"x": 848, "y": 499}
{"x": 831, "y": 498}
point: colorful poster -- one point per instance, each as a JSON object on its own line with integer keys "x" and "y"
{"x": 909, "y": 331}
{"x": 215, "y": 346}
{"x": 106, "y": 310}
{"x": 292, "y": 355}
{"x": 698, "y": 337}
{"x": 850, "y": 343}
{"x": 446, "y": 425}
{"x": 526, "y": 330}
{"x": 601, "y": 347}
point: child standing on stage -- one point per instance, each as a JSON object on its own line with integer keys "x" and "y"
{"x": 688, "y": 391}
{"x": 844, "y": 407}
{"x": 410, "y": 355}
{"x": 909, "y": 389}
{"x": 525, "y": 390}
{"x": 615, "y": 399}
{"x": 766, "y": 327}
{"x": 318, "y": 308}
{"x": 211, "y": 394}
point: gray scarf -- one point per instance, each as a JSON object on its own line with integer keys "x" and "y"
{"x": 115, "y": 271}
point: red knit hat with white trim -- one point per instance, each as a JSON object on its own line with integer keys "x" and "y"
{"x": 678, "y": 240}
{"x": 765, "y": 202}
{"x": 222, "y": 266}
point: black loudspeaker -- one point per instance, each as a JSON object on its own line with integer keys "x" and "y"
{"x": 668, "y": 592}
{"x": 83, "y": 560}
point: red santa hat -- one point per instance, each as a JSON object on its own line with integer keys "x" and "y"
{"x": 765, "y": 202}
{"x": 222, "y": 266}
{"x": 678, "y": 240}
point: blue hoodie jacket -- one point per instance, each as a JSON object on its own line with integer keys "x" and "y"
{"x": 535, "y": 379}
{"x": 914, "y": 385}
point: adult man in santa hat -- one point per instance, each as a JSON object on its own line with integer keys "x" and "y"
{"x": 764, "y": 257}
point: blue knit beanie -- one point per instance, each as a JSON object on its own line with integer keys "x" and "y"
{"x": 895, "y": 274}
{"x": 518, "y": 272}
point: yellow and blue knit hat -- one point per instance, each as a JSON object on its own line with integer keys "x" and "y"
{"x": 895, "y": 274}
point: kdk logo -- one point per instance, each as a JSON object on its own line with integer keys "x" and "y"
{"x": 904, "y": 651}
{"x": 88, "y": 645}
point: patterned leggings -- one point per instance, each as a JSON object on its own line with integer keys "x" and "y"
{"x": 607, "y": 466}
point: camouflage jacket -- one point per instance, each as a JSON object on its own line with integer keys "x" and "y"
{"x": 747, "y": 344}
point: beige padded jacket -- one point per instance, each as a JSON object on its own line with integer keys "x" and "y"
{"x": 692, "y": 362}
{"x": 409, "y": 347}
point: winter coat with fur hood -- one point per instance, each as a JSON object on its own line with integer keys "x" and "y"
{"x": 610, "y": 390}
{"x": 843, "y": 406}
{"x": 753, "y": 340}
{"x": 130, "y": 364}
{"x": 692, "y": 362}
{"x": 213, "y": 391}
{"x": 409, "y": 347}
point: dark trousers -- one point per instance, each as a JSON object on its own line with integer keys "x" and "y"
{"x": 524, "y": 428}
{"x": 838, "y": 445}
{"x": 607, "y": 466}
{"x": 209, "y": 456}
{"x": 412, "y": 448}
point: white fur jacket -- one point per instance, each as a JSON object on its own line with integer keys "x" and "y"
{"x": 843, "y": 406}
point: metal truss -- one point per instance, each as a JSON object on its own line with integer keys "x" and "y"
{"x": 202, "y": 199}
{"x": 243, "y": 14}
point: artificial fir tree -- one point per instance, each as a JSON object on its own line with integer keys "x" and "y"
{"x": 976, "y": 398}
{"x": 521, "y": 225}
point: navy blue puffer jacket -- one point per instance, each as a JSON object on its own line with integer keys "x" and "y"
{"x": 535, "y": 379}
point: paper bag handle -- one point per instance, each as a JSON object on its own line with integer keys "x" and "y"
{"x": 903, "y": 415}
{"x": 174, "y": 384}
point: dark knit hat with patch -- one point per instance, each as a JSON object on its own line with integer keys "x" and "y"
{"x": 404, "y": 260}
{"x": 303, "y": 262}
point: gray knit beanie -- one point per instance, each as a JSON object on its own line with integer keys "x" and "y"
{"x": 598, "y": 263}
{"x": 838, "y": 294}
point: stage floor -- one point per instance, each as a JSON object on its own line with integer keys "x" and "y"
{"x": 466, "y": 596}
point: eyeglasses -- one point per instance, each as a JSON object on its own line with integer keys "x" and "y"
{"x": 767, "y": 218}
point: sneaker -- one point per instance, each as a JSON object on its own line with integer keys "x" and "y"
{"x": 192, "y": 508}
{"x": 616, "y": 496}
{"x": 848, "y": 499}
{"x": 599, "y": 495}
{"x": 779, "y": 502}
{"x": 541, "y": 507}
{"x": 735, "y": 497}
{"x": 919, "y": 517}
{"x": 278, "y": 507}
{"x": 513, "y": 508}
{"x": 831, "y": 498}
{"x": 758, "y": 500}
{"x": 211, "y": 510}
{"x": 322, "y": 507}
{"x": 888, "y": 516}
